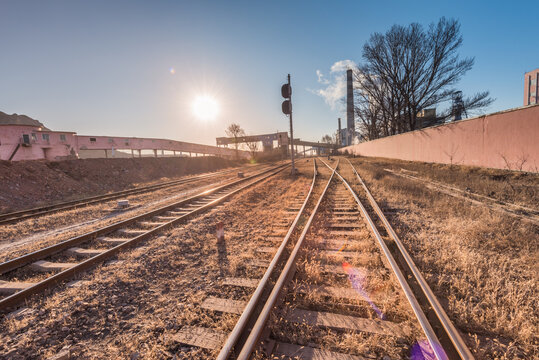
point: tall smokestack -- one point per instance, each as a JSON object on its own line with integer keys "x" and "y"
{"x": 339, "y": 136}
{"x": 350, "y": 124}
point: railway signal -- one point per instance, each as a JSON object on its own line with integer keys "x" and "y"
{"x": 286, "y": 92}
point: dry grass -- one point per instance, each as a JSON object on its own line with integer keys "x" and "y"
{"x": 520, "y": 188}
{"x": 480, "y": 263}
{"x": 134, "y": 308}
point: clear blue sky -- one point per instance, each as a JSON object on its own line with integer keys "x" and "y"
{"x": 103, "y": 67}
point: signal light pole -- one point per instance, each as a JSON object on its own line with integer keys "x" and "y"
{"x": 286, "y": 92}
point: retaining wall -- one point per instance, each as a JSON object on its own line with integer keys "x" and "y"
{"x": 503, "y": 140}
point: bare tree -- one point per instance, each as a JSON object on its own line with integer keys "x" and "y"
{"x": 327, "y": 139}
{"x": 409, "y": 69}
{"x": 332, "y": 140}
{"x": 253, "y": 148}
{"x": 235, "y": 131}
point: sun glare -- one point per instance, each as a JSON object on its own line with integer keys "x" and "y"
{"x": 205, "y": 107}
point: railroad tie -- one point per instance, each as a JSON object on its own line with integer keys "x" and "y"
{"x": 345, "y": 322}
{"x": 266, "y": 250}
{"x": 200, "y": 337}
{"x": 344, "y": 213}
{"x": 76, "y": 251}
{"x": 344, "y": 233}
{"x": 164, "y": 218}
{"x": 330, "y": 291}
{"x": 343, "y": 225}
{"x": 258, "y": 263}
{"x": 342, "y": 254}
{"x": 309, "y": 353}
{"x": 241, "y": 282}
{"x": 343, "y": 218}
{"x": 177, "y": 213}
{"x": 278, "y": 233}
{"x": 130, "y": 232}
{"x": 111, "y": 241}
{"x": 11, "y": 287}
{"x": 224, "y": 305}
{"x": 347, "y": 209}
{"x": 47, "y": 266}
{"x": 272, "y": 238}
{"x": 151, "y": 224}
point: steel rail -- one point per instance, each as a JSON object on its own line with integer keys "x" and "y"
{"x": 63, "y": 245}
{"x": 246, "y": 316}
{"x": 15, "y": 299}
{"x": 416, "y": 308}
{"x": 254, "y": 336}
{"x": 16, "y": 216}
{"x": 450, "y": 329}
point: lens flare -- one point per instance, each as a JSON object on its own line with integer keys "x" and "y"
{"x": 172, "y": 70}
{"x": 358, "y": 280}
{"x": 422, "y": 350}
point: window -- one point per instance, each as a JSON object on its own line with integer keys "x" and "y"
{"x": 45, "y": 137}
{"x": 111, "y": 140}
{"x": 62, "y": 137}
{"x": 25, "y": 139}
{"x": 92, "y": 139}
{"x": 34, "y": 136}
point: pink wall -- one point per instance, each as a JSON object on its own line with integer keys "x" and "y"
{"x": 507, "y": 139}
{"x": 62, "y": 144}
{"x": 58, "y": 145}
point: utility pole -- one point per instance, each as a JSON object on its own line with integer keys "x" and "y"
{"x": 286, "y": 92}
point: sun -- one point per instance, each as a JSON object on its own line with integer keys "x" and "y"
{"x": 205, "y": 107}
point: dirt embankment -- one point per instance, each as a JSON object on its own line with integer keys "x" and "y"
{"x": 27, "y": 184}
{"x": 516, "y": 187}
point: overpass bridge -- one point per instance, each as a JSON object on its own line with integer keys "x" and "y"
{"x": 278, "y": 139}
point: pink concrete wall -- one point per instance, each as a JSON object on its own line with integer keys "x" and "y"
{"x": 504, "y": 140}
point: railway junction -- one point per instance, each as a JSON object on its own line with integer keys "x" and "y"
{"x": 250, "y": 262}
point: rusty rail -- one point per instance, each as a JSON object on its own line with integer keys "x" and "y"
{"x": 15, "y": 299}
{"x": 16, "y": 216}
{"x": 255, "y": 333}
{"x": 439, "y": 353}
{"x": 452, "y": 332}
{"x": 241, "y": 326}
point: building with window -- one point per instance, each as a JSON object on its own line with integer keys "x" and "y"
{"x": 531, "y": 87}
{"x": 23, "y": 138}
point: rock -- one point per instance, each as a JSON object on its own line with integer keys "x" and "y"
{"x": 62, "y": 355}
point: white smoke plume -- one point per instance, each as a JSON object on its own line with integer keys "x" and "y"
{"x": 335, "y": 82}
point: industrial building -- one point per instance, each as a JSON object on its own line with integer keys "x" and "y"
{"x": 531, "y": 87}
{"x": 23, "y": 138}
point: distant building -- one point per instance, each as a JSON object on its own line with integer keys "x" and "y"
{"x": 425, "y": 118}
{"x": 24, "y": 138}
{"x": 350, "y": 121}
{"x": 531, "y": 87}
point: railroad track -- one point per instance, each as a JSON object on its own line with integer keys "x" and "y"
{"x": 334, "y": 289}
{"x": 13, "y": 217}
{"x": 96, "y": 246}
